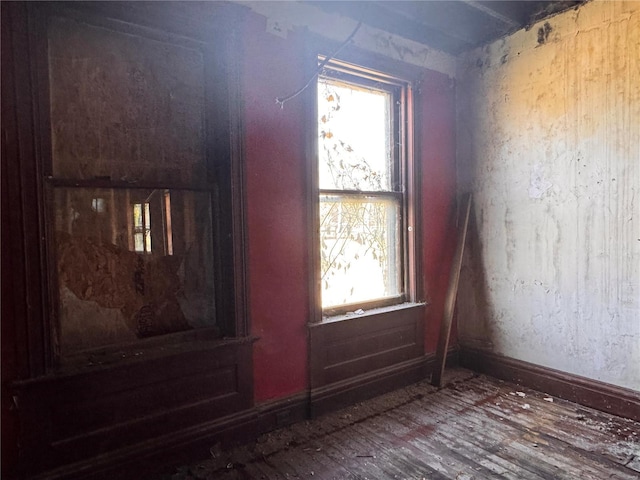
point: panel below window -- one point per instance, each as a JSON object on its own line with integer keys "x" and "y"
{"x": 360, "y": 245}
{"x": 131, "y": 264}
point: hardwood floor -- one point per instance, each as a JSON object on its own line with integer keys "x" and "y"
{"x": 475, "y": 427}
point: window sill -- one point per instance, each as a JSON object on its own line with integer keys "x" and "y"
{"x": 373, "y": 312}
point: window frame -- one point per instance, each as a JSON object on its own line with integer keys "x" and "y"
{"x": 223, "y": 182}
{"x": 349, "y": 69}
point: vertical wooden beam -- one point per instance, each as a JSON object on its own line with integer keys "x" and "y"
{"x": 452, "y": 293}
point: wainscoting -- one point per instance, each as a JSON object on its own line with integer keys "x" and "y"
{"x": 108, "y": 417}
{"x": 355, "y": 359}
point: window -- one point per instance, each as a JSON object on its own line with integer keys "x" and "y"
{"x": 131, "y": 187}
{"x": 160, "y": 202}
{"x": 142, "y": 227}
{"x": 362, "y": 180}
{"x": 134, "y": 269}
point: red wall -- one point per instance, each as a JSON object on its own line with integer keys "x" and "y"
{"x": 275, "y": 169}
{"x": 278, "y": 268}
{"x": 438, "y": 146}
{"x": 276, "y": 216}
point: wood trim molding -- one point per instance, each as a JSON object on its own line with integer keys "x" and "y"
{"x": 591, "y": 393}
{"x": 368, "y": 385}
{"x": 282, "y": 412}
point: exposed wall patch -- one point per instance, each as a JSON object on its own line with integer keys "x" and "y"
{"x": 278, "y": 28}
{"x": 539, "y": 185}
{"x": 543, "y": 33}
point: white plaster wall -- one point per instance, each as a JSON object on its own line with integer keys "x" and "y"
{"x": 283, "y": 16}
{"x": 549, "y": 143}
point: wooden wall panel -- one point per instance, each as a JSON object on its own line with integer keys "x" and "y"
{"x": 86, "y": 414}
{"x": 341, "y": 350}
{"x": 81, "y": 415}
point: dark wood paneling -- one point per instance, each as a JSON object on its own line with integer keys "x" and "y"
{"x": 14, "y": 362}
{"x": 362, "y": 387}
{"x": 87, "y": 414}
{"x": 362, "y": 356}
{"x": 591, "y": 393}
{"x": 343, "y": 349}
{"x": 82, "y": 419}
{"x": 25, "y": 245}
{"x": 144, "y": 459}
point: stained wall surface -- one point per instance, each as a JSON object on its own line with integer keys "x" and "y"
{"x": 549, "y": 143}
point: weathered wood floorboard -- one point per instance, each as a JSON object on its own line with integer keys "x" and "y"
{"x": 476, "y": 427}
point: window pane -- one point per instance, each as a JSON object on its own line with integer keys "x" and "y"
{"x": 354, "y": 145}
{"x": 137, "y": 215}
{"x": 147, "y": 241}
{"x": 124, "y": 107}
{"x": 138, "y": 243}
{"x": 123, "y": 273}
{"x": 360, "y": 249}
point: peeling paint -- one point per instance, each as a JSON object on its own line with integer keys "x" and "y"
{"x": 543, "y": 33}
{"x": 283, "y": 16}
{"x": 549, "y": 143}
{"x": 539, "y": 185}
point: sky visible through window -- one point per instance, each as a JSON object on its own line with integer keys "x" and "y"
{"x": 357, "y": 121}
{"x": 358, "y": 235}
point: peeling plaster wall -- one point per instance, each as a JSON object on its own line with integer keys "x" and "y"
{"x": 549, "y": 143}
{"x": 282, "y": 17}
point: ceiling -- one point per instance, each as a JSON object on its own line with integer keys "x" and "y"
{"x": 453, "y": 26}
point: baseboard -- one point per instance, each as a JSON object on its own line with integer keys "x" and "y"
{"x": 591, "y": 393}
{"x": 154, "y": 456}
{"x": 282, "y": 412}
{"x": 362, "y": 387}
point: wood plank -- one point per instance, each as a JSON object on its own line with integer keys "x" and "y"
{"x": 475, "y": 427}
{"x": 574, "y": 427}
{"x": 452, "y": 293}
